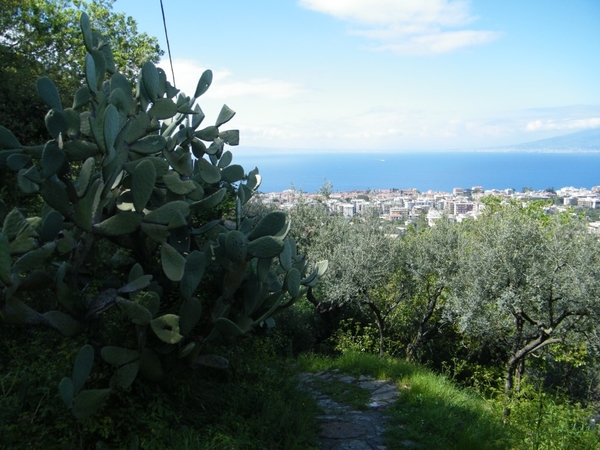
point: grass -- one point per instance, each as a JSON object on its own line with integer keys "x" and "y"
{"x": 438, "y": 415}
{"x": 346, "y": 393}
{"x": 431, "y": 412}
{"x": 255, "y": 404}
{"x": 434, "y": 413}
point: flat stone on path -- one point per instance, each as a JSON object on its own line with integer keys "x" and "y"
{"x": 372, "y": 385}
{"x": 347, "y": 379}
{"x": 385, "y": 389}
{"x": 353, "y": 445}
{"x": 341, "y": 430}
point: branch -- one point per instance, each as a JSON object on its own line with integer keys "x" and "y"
{"x": 566, "y": 313}
{"x": 431, "y": 305}
{"x": 531, "y": 321}
{"x": 541, "y": 342}
{"x": 546, "y": 343}
{"x": 311, "y": 297}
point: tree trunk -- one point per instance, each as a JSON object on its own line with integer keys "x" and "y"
{"x": 517, "y": 363}
{"x": 412, "y": 347}
{"x": 520, "y": 371}
{"x": 511, "y": 368}
{"x": 380, "y": 322}
{"x": 327, "y": 314}
{"x": 431, "y": 305}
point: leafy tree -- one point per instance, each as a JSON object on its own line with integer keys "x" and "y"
{"x": 360, "y": 254}
{"x": 420, "y": 223}
{"x": 326, "y": 189}
{"x": 41, "y": 38}
{"x": 529, "y": 280}
{"x": 431, "y": 262}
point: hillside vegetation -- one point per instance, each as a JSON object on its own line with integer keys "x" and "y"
{"x": 149, "y": 302}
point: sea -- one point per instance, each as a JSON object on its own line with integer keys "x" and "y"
{"x": 437, "y": 171}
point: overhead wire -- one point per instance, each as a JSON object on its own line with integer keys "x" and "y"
{"x": 168, "y": 45}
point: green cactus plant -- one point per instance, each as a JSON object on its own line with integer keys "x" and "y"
{"x": 133, "y": 170}
{"x": 82, "y": 403}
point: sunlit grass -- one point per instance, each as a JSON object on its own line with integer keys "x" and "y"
{"x": 256, "y": 404}
{"x": 434, "y": 413}
{"x": 431, "y": 411}
{"x": 358, "y": 364}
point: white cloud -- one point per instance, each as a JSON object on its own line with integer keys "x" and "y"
{"x": 260, "y": 87}
{"x": 441, "y": 42}
{"x": 387, "y": 12}
{"x": 564, "y": 124}
{"x": 409, "y": 129}
{"x": 409, "y": 27}
{"x": 382, "y": 128}
{"x": 224, "y": 85}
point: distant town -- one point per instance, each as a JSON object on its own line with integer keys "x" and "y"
{"x": 406, "y": 206}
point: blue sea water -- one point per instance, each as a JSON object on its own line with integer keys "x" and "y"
{"x": 423, "y": 171}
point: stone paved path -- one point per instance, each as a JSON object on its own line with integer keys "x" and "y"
{"x": 346, "y": 428}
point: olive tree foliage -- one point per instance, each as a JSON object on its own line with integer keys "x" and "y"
{"x": 430, "y": 262}
{"x": 528, "y": 280}
{"x": 41, "y": 38}
{"x": 360, "y": 255}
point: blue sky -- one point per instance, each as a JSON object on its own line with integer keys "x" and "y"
{"x": 391, "y": 75}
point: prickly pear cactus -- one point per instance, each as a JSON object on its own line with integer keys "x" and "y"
{"x": 133, "y": 181}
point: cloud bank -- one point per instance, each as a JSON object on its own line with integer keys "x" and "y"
{"x": 564, "y": 124}
{"x": 224, "y": 85}
{"x": 408, "y": 27}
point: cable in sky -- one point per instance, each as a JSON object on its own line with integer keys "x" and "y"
{"x": 168, "y": 45}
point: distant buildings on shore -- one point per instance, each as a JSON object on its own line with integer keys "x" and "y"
{"x": 409, "y": 205}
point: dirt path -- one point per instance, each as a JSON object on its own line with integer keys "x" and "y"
{"x": 348, "y": 424}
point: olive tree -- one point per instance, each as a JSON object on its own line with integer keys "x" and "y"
{"x": 430, "y": 263}
{"x": 361, "y": 256}
{"x": 529, "y": 280}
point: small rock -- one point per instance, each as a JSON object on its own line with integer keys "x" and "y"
{"x": 347, "y": 379}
